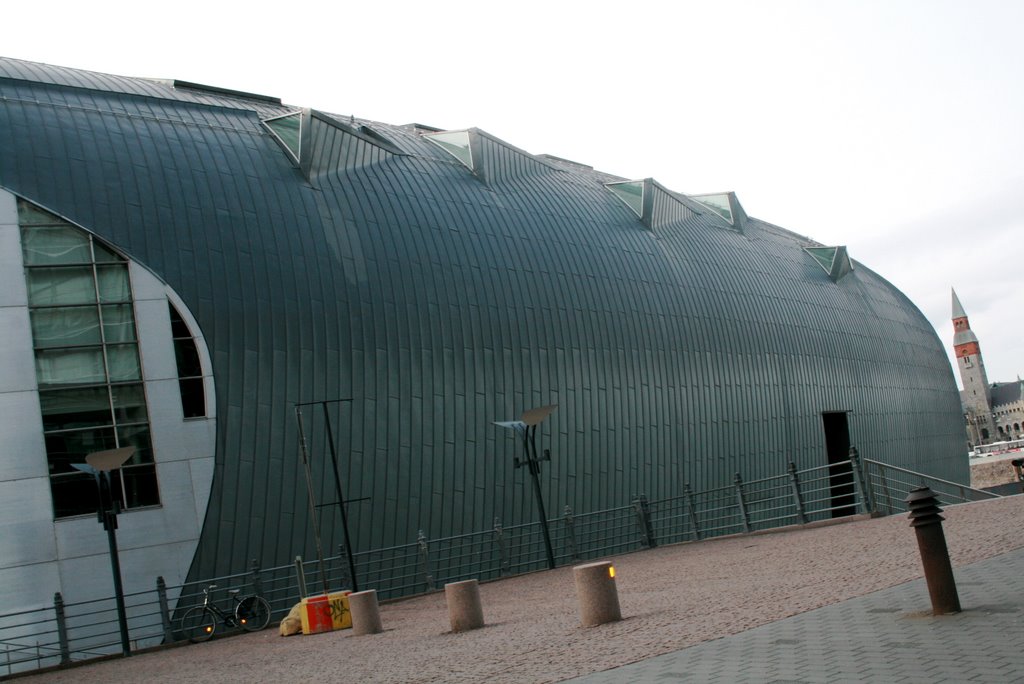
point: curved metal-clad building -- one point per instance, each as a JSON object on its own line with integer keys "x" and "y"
{"x": 441, "y": 281}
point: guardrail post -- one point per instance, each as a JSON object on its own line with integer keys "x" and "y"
{"x": 346, "y": 578}
{"x": 885, "y": 488}
{"x": 424, "y": 552}
{"x": 165, "y": 609}
{"x": 300, "y": 575}
{"x": 257, "y": 581}
{"x": 570, "y": 533}
{"x": 499, "y": 539}
{"x": 642, "y": 507}
{"x": 691, "y": 511}
{"x": 742, "y": 502}
{"x": 798, "y": 501}
{"x": 62, "y": 629}
{"x": 866, "y": 500}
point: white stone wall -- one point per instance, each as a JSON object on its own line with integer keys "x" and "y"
{"x": 40, "y": 555}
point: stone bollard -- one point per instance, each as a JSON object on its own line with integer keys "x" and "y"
{"x": 365, "y": 613}
{"x": 464, "y": 609}
{"x": 596, "y": 592}
{"x": 931, "y": 542}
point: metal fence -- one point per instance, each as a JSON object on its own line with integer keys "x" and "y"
{"x": 61, "y": 633}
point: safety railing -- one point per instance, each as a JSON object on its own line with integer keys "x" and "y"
{"x": 63, "y": 633}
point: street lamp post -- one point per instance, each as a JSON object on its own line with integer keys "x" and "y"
{"x": 99, "y": 464}
{"x": 526, "y": 427}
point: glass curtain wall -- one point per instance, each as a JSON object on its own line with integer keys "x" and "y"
{"x": 87, "y": 361}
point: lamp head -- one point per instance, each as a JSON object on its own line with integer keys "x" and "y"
{"x": 111, "y": 459}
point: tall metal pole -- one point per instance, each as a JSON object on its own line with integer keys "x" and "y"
{"x": 341, "y": 500}
{"x": 312, "y": 501}
{"x": 109, "y": 513}
{"x": 530, "y": 444}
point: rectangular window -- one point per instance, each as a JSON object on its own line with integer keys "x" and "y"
{"x": 87, "y": 362}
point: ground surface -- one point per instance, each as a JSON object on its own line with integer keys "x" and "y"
{"x": 671, "y": 597}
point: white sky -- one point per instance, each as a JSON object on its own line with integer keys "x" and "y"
{"x": 895, "y": 128}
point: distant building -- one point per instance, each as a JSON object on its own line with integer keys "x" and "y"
{"x": 993, "y": 412}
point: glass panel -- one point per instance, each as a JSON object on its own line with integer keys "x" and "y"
{"x": 118, "y": 323}
{"x": 129, "y": 403}
{"x": 103, "y": 254}
{"x": 193, "y": 397}
{"x": 68, "y": 285}
{"x": 139, "y": 486}
{"x": 824, "y": 256}
{"x": 178, "y": 327}
{"x": 456, "y": 144}
{"x": 55, "y": 245}
{"x": 187, "y": 356}
{"x": 123, "y": 363}
{"x": 75, "y": 408}
{"x": 112, "y": 283}
{"x": 717, "y": 203}
{"x": 65, "y": 448}
{"x": 138, "y": 437}
{"x": 74, "y": 495}
{"x": 30, "y": 214}
{"x": 65, "y": 326}
{"x": 80, "y": 366}
{"x": 630, "y": 192}
{"x": 287, "y": 129}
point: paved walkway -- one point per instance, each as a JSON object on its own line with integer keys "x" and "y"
{"x": 881, "y": 637}
{"x": 815, "y": 604}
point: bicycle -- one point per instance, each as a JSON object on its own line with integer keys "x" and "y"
{"x": 251, "y": 613}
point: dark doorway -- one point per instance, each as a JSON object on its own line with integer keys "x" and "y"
{"x": 840, "y": 472}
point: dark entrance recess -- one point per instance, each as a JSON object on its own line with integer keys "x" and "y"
{"x": 840, "y": 472}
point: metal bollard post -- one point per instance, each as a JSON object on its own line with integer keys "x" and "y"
{"x": 424, "y": 553}
{"x": 503, "y": 557}
{"x": 642, "y": 507}
{"x": 570, "y": 533}
{"x": 692, "y": 511}
{"x": 931, "y": 542}
{"x": 165, "y": 609}
{"x": 62, "y": 629}
{"x": 798, "y": 500}
{"x": 300, "y": 574}
{"x": 257, "y": 582}
{"x": 742, "y": 502}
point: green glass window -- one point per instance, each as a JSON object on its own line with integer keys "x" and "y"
{"x": 190, "y": 369}
{"x": 455, "y": 143}
{"x": 87, "y": 361}
{"x": 288, "y": 130}
{"x": 824, "y": 256}
{"x": 630, "y": 192}
{"x": 717, "y": 203}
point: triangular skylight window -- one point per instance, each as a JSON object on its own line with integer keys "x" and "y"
{"x": 834, "y": 260}
{"x": 718, "y": 204}
{"x": 287, "y": 129}
{"x": 630, "y": 192}
{"x": 455, "y": 143}
{"x": 824, "y": 256}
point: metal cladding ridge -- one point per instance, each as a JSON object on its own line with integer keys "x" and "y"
{"x": 441, "y": 301}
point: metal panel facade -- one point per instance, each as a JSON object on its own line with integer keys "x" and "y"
{"x": 440, "y": 302}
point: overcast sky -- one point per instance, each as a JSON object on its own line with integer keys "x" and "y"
{"x": 895, "y": 128}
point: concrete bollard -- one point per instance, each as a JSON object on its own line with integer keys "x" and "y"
{"x": 596, "y": 592}
{"x": 931, "y": 542}
{"x": 464, "y": 609}
{"x": 365, "y": 613}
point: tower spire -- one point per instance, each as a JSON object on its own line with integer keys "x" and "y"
{"x": 975, "y": 397}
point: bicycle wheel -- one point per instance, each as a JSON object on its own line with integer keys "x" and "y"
{"x": 252, "y": 613}
{"x": 198, "y": 624}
